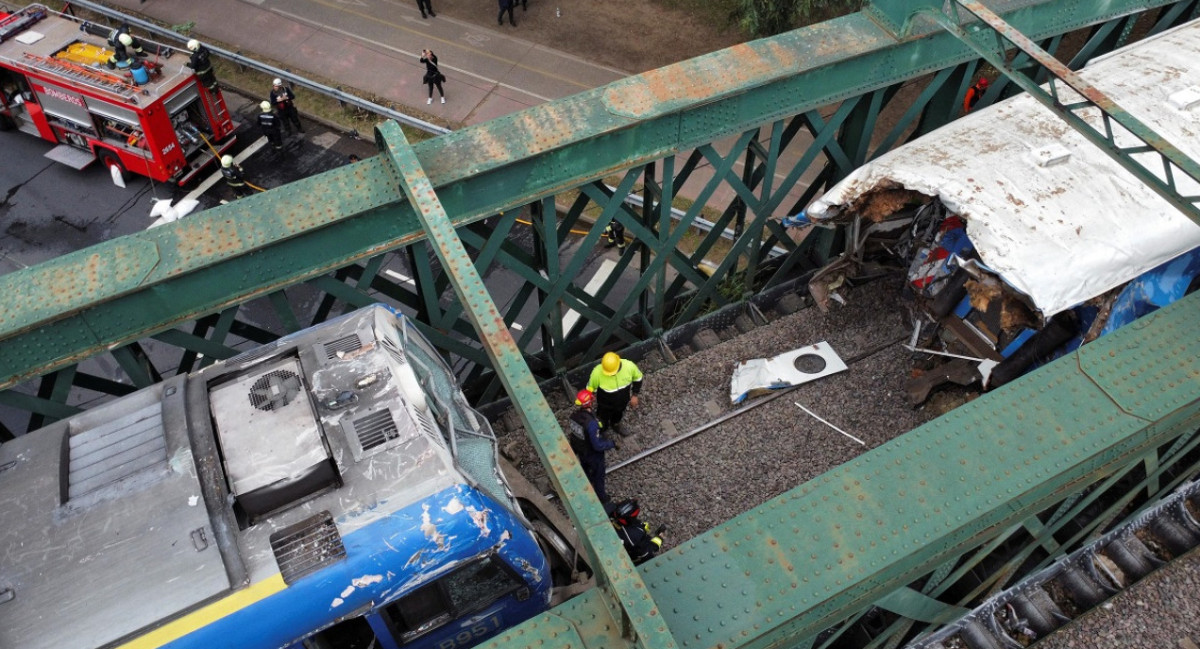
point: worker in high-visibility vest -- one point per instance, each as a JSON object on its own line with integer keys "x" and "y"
{"x": 616, "y": 383}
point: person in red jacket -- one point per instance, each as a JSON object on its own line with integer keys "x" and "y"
{"x": 974, "y": 94}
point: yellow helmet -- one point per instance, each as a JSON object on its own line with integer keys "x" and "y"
{"x": 610, "y": 363}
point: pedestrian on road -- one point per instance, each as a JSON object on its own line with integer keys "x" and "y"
{"x": 201, "y": 63}
{"x": 268, "y": 122}
{"x": 285, "y": 106}
{"x": 433, "y": 76}
{"x": 616, "y": 383}
{"x": 426, "y": 7}
{"x": 506, "y": 5}
{"x": 235, "y": 178}
{"x": 587, "y": 443}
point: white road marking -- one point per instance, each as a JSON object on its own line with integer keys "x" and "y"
{"x": 397, "y": 276}
{"x": 212, "y": 180}
{"x": 606, "y": 269}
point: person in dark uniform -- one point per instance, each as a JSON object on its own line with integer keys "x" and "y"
{"x": 426, "y": 7}
{"x": 614, "y": 235}
{"x": 285, "y": 106}
{"x": 506, "y": 5}
{"x": 235, "y": 178}
{"x": 201, "y": 63}
{"x": 641, "y": 544}
{"x": 587, "y": 443}
{"x": 268, "y": 121}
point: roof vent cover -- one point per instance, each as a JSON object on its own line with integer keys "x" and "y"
{"x": 274, "y": 390}
{"x": 375, "y": 429}
{"x": 307, "y": 546}
{"x": 345, "y": 345}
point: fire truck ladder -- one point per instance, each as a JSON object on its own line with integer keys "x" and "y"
{"x": 84, "y": 74}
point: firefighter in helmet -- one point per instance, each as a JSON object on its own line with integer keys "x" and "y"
{"x": 587, "y": 443}
{"x": 268, "y": 122}
{"x": 641, "y": 544}
{"x": 235, "y": 178}
{"x": 201, "y": 63}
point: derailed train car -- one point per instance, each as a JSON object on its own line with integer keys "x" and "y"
{"x": 331, "y": 489}
{"x": 1021, "y": 240}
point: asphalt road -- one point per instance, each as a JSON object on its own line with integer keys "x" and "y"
{"x": 50, "y": 209}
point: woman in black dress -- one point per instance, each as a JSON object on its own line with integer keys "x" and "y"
{"x": 433, "y": 76}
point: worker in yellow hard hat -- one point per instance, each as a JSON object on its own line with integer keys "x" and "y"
{"x": 616, "y": 382}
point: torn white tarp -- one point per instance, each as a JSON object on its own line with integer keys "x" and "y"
{"x": 785, "y": 370}
{"x": 1047, "y": 210}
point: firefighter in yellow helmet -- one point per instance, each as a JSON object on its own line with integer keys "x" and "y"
{"x": 616, "y": 382}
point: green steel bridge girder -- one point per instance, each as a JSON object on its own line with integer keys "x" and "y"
{"x": 927, "y": 507}
{"x": 630, "y": 609}
{"x": 58, "y": 313}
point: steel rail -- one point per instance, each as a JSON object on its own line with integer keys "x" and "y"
{"x": 741, "y": 411}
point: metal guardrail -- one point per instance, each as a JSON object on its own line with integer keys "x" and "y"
{"x": 303, "y": 82}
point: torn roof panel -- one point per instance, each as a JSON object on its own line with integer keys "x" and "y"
{"x": 1059, "y": 230}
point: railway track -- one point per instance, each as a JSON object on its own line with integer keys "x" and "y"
{"x": 695, "y": 461}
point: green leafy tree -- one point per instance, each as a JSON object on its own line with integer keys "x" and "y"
{"x": 760, "y": 18}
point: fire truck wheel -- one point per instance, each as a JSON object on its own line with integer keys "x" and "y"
{"x": 110, "y": 160}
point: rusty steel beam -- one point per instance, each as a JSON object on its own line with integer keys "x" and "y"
{"x": 625, "y": 594}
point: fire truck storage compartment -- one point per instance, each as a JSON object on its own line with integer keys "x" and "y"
{"x": 188, "y": 118}
{"x": 121, "y": 126}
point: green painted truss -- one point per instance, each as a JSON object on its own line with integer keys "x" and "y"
{"x": 698, "y": 161}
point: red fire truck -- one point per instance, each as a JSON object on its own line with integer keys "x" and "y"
{"x": 147, "y": 115}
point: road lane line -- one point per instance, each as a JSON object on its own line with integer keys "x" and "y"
{"x": 606, "y": 269}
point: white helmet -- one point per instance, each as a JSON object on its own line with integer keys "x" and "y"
{"x": 265, "y": 106}
{"x": 277, "y": 82}
{"x": 125, "y": 39}
{"x": 226, "y": 161}
{"x": 193, "y": 45}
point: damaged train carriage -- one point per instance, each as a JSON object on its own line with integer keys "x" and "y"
{"x": 332, "y": 489}
{"x": 1020, "y": 239}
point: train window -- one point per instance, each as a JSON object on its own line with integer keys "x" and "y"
{"x": 460, "y": 593}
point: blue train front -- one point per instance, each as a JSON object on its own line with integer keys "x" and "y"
{"x": 330, "y": 489}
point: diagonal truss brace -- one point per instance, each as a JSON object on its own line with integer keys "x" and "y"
{"x": 625, "y": 594}
{"x": 1175, "y": 164}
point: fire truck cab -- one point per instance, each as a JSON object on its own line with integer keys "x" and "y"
{"x": 148, "y": 114}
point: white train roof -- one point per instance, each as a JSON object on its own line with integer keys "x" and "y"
{"x": 107, "y": 519}
{"x": 1059, "y": 233}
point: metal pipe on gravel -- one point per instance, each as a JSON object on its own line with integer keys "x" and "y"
{"x": 303, "y": 82}
{"x": 750, "y": 406}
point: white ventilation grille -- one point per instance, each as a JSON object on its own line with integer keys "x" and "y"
{"x": 115, "y": 450}
{"x": 394, "y": 352}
